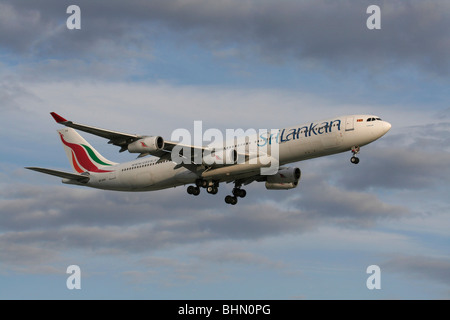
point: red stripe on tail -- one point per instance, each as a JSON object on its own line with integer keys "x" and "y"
{"x": 75, "y": 164}
{"x": 81, "y": 156}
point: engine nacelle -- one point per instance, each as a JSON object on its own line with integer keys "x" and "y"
{"x": 285, "y": 178}
{"x": 146, "y": 145}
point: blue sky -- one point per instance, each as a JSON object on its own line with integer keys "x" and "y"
{"x": 150, "y": 67}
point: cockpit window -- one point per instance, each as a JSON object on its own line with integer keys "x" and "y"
{"x": 373, "y": 119}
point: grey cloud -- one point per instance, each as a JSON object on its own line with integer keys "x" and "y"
{"x": 24, "y": 254}
{"x": 62, "y": 218}
{"x": 335, "y": 205}
{"x": 154, "y": 217}
{"x": 413, "y": 32}
{"x": 421, "y": 267}
{"x": 31, "y": 207}
{"x": 14, "y": 22}
{"x": 170, "y": 270}
{"x": 399, "y": 169}
{"x": 234, "y": 254}
{"x": 430, "y": 137}
{"x": 414, "y": 158}
{"x": 10, "y": 95}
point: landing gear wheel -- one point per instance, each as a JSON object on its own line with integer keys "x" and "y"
{"x": 193, "y": 190}
{"x": 237, "y": 192}
{"x": 355, "y": 151}
{"x": 354, "y": 160}
{"x": 196, "y": 191}
{"x": 231, "y": 200}
{"x": 212, "y": 189}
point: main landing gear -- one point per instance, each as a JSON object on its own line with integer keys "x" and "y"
{"x": 237, "y": 192}
{"x": 193, "y": 190}
{"x": 355, "y": 151}
{"x": 212, "y": 187}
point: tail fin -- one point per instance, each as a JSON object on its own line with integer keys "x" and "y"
{"x": 82, "y": 156}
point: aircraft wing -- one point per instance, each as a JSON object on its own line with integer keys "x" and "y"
{"x": 122, "y": 140}
{"x": 66, "y": 175}
{"x": 116, "y": 138}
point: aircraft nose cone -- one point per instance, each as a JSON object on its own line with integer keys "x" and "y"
{"x": 387, "y": 126}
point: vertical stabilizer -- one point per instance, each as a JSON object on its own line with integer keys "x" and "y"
{"x": 82, "y": 156}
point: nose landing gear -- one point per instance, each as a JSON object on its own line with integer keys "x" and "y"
{"x": 355, "y": 151}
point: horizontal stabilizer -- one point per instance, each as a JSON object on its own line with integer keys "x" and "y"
{"x": 66, "y": 175}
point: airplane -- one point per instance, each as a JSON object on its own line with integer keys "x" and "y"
{"x": 157, "y": 168}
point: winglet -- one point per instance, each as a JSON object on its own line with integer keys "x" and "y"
{"x": 57, "y": 117}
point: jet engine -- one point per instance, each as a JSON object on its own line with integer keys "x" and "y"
{"x": 285, "y": 178}
{"x": 146, "y": 145}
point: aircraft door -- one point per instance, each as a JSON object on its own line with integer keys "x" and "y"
{"x": 349, "y": 124}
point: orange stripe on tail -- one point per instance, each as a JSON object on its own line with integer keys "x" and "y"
{"x": 75, "y": 164}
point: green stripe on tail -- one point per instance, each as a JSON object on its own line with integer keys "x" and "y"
{"x": 94, "y": 156}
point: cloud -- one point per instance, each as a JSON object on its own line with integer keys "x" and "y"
{"x": 24, "y": 255}
{"x": 332, "y": 33}
{"x": 155, "y": 104}
{"x": 59, "y": 218}
{"x": 340, "y": 206}
{"x": 208, "y": 262}
{"x": 419, "y": 268}
{"x": 23, "y": 23}
{"x": 234, "y": 254}
{"x": 415, "y": 157}
{"x": 114, "y": 64}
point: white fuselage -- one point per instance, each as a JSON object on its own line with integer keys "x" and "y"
{"x": 297, "y": 143}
